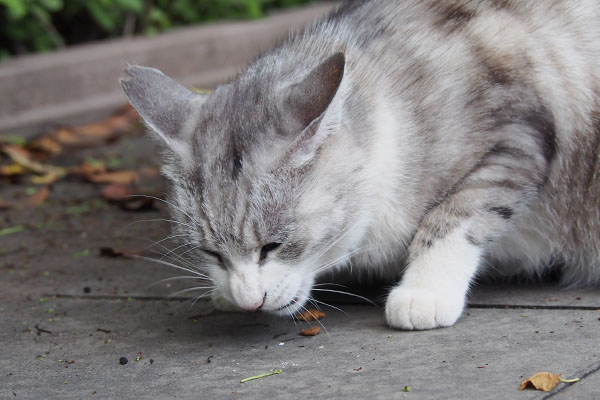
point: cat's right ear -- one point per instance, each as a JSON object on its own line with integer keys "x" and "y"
{"x": 315, "y": 106}
{"x": 167, "y": 107}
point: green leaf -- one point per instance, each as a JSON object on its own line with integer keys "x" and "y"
{"x": 16, "y": 8}
{"x": 52, "y": 5}
{"x": 100, "y": 15}
{"x": 11, "y": 230}
{"x": 131, "y": 5}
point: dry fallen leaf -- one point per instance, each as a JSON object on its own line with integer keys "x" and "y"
{"x": 12, "y": 169}
{"x": 39, "y": 197}
{"x": 545, "y": 381}
{"x": 113, "y": 252}
{"x": 116, "y": 191}
{"x": 313, "y": 331}
{"x": 47, "y": 173}
{"x": 124, "y": 177}
{"x": 310, "y": 315}
{"x": 89, "y": 134}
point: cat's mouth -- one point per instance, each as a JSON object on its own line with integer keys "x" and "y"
{"x": 291, "y": 303}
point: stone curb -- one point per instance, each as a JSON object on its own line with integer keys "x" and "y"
{"x": 79, "y": 84}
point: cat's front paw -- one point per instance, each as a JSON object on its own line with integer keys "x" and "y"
{"x": 416, "y": 308}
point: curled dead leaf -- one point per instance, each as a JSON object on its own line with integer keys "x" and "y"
{"x": 39, "y": 197}
{"x": 125, "y": 177}
{"x": 114, "y": 252}
{"x": 47, "y": 173}
{"x": 86, "y": 135}
{"x": 310, "y": 315}
{"x": 12, "y": 169}
{"x": 312, "y": 331}
{"x": 545, "y": 381}
{"x": 116, "y": 191}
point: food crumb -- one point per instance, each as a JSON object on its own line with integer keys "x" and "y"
{"x": 310, "y": 315}
{"x": 313, "y": 331}
{"x": 123, "y": 360}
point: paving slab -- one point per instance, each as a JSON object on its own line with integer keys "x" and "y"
{"x": 74, "y": 352}
{"x": 67, "y": 315}
{"x": 589, "y": 388}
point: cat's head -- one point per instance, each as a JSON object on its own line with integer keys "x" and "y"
{"x": 257, "y": 193}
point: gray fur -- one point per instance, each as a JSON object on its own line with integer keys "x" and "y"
{"x": 496, "y": 110}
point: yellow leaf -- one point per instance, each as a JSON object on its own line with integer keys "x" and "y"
{"x": 12, "y": 169}
{"x": 545, "y": 381}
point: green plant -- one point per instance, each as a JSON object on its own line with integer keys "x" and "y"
{"x": 41, "y": 25}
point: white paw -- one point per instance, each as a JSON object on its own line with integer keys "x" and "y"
{"x": 414, "y": 308}
{"x": 222, "y": 304}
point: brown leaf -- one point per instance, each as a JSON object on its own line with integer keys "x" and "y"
{"x": 138, "y": 204}
{"x": 124, "y": 177}
{"x": 39, "y": 197}
{"x": 113, "y": 252}
{"x": 49, "y": 173}
{"x": 116, "y": 191}
{"x": 312, "y": 331}
{"x": 12, "y": 169}
{"x": 545, "y": 381}
{"x": 90, "y": 134}
{"x": 310, "y": 315}
{"x": 46, "y": 145}
{"x": 86, "y": 169}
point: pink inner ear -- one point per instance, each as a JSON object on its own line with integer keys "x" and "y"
{"x": 310, "y": 98}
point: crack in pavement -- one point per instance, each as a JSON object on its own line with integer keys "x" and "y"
{"x": 182, "y": 299}
{"x": 532, "y": 307}
{"x": 580, "y": 374}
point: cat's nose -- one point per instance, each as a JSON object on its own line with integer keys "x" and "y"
{"x": 252, "y": 307}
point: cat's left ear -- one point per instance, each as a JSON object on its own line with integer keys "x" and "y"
{"x": 315, "y": 105}
{"x": 167, "y": 107}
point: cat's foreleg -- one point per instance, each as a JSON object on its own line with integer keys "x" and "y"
{"x": 451, "y": 241}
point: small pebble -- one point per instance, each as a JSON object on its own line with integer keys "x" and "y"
{"x": 123, "y": 360}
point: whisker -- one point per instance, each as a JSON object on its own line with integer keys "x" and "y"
{"x": 160, "y": 220}
{"x": 167, "y": 254}
{"x": 328, "y": 305}
{"x": 330, "y": 284}
{"x": 168, "y": 264}
{"x": 170, "y": 203}
{"x": 189, "y": 290}
{"x": 329, "y": 245}
{"x": 347, "y": 294}
{"x": 176, "y": 278}
{"x": 180, "y": 256}
{"x": 336, "y": 261}
{"x": 165, "y": 239}
{"x": 208, "y": 293}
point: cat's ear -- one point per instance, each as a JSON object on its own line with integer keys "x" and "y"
{"x": 314, "y": 105}
{"x": 309, "y": 98}
{"x": 167, "y": 107}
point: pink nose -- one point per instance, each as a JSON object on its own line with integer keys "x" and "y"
{"x": 247, "y": 306}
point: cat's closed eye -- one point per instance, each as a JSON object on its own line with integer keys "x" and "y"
{"x": 214, "y": 254}
{"x": 264, "y": 251}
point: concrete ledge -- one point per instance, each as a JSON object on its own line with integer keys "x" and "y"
{"x": 81, "y": 83}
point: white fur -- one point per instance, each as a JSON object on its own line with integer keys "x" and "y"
{"x": 433, "y": 290}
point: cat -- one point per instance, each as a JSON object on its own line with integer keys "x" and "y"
{"x": 430, "y": 140}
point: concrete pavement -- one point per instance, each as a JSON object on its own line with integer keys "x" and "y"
{"x": 69, "y": 314}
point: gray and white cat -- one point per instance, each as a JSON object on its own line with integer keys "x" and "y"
{"x": 427, "y": 138}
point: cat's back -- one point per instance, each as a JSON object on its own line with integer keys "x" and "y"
{"x": 458, "y": 59}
